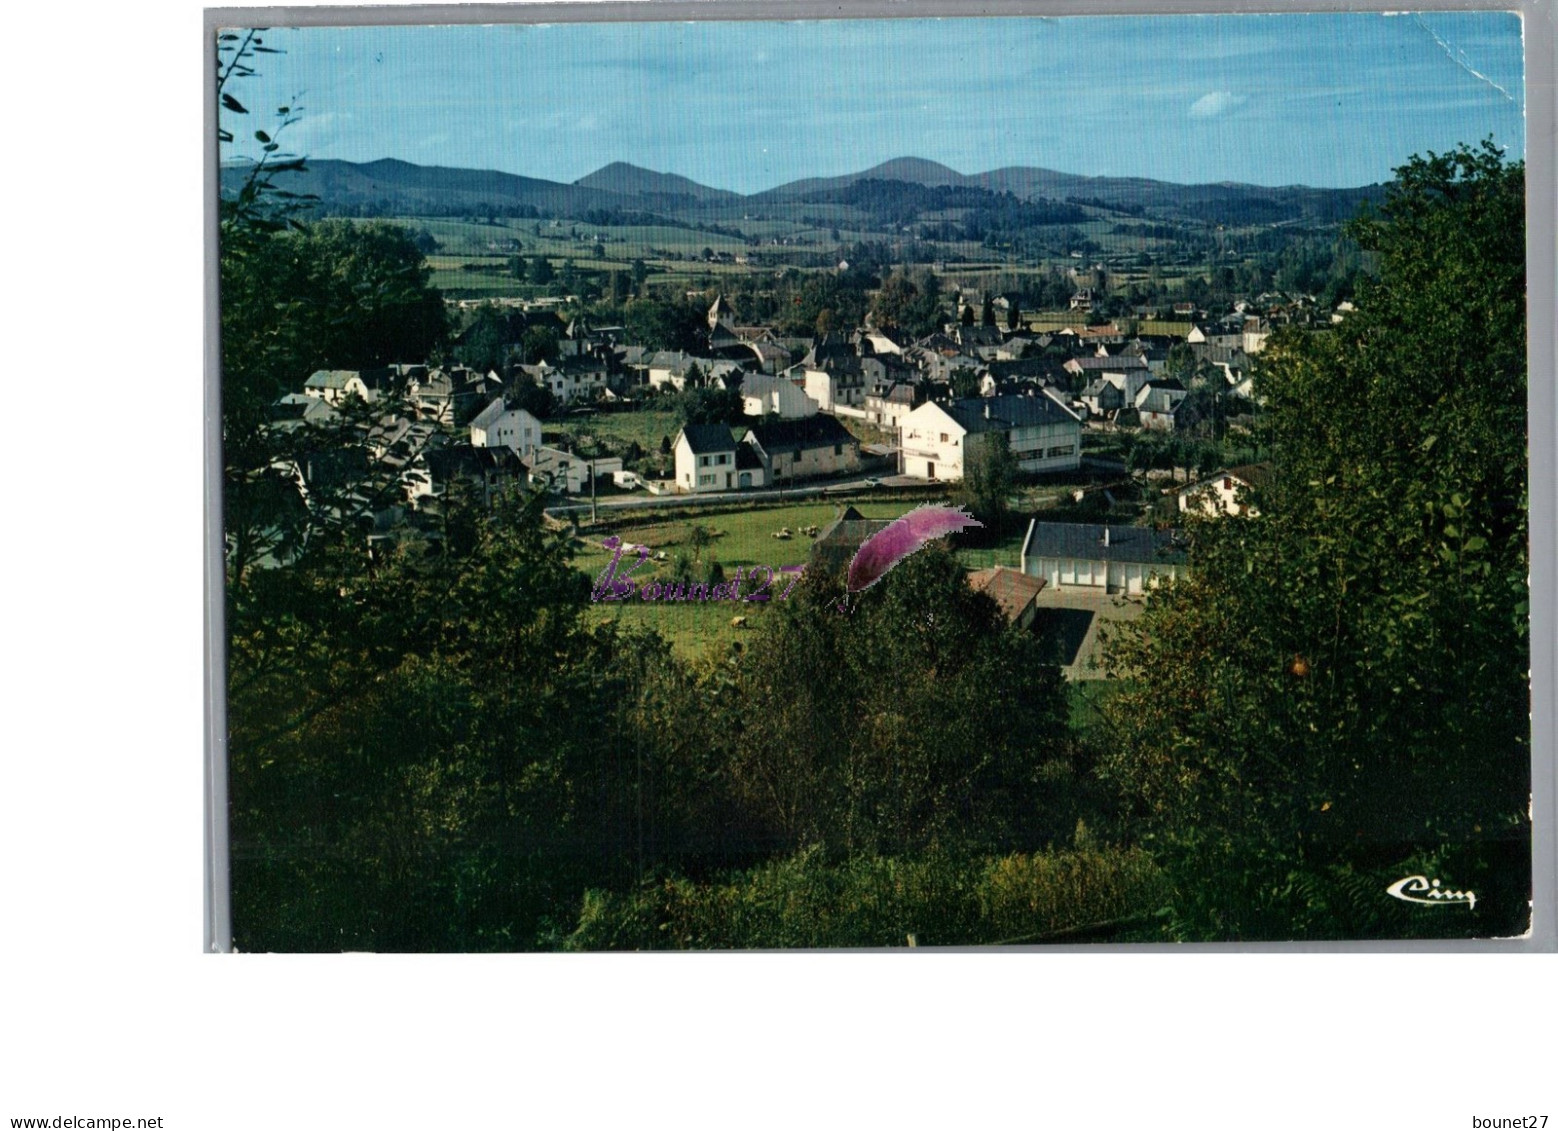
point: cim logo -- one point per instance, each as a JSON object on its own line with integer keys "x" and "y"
{"x": 1420, "y": 889}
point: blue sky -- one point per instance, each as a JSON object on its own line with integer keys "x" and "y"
{"x": 1325, "y": 100}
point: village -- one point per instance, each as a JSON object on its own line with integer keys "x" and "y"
{"x": 853, "y": 427}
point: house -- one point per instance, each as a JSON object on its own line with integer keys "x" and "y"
{"x": 1159, "y": 403}
{"x": 679, "y": 370}
{"x": 512, "y": 427}
{"x": 1014, "y": 592}
{"x": 335, "y": 385}
{"x": 705, "y": 458}
{"x": 983, "y": 342}
{"x": 1103, "y": 396}
{"x": 771, "y": 356}
{"x": 1043, "y": 433}
{"x": 1256, "y": 331}
{"x": 885, "y": 408}
{"x": 470, "y": 392}
{"x": 762, "y": 395}
{"x": 297, "y": 409}
{"x": 1229, "y": 492}
{"x": 567, "y": 472}
{"x": 884, "y": 341}
{"x": 581, "y": 378}
{"x": 1089, "y": 367}
{"x": 434, "y": 397}
{"x": 1103, "y": 559}
{"x": 829, "y": 388}
{"x": 803, "y": 449}
{"x": 750, "y": 471}
{"x": 831, "y": 373}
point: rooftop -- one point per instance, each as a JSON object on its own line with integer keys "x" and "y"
{"x": 705, "y": 438}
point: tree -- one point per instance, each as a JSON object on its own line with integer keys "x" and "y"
{"x": 698, "y": 537}
{"x": 295, "y": 298}
{"x": 453, "y": 795}
{"x": 330, "y": 295}
{"x": 828, "y": 753}
{"x": 907, "y": 303}
{"x": 541, "y": 273}
{"x": 1296, "y": 708}
{"x": 534, "y": 398}
{"x": 664, "y": 325}
{"x": 709, "y": 406}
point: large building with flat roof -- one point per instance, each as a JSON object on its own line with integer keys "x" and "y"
{"x": 1103, "y": 559}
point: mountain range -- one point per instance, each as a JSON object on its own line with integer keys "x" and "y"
{"x": 393, "y": 187}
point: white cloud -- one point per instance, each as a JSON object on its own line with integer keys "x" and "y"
{"x": 1215, "y": 103}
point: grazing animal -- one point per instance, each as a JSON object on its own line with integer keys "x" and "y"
{"x": 738, "y": 622}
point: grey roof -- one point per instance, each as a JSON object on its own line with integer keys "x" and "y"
{"x": 329, "y": 378}
{"x": 487, "y": 415}
{"x": 830, "y": 350}
{"x": 1085, "y": 541}
{"x": 987, "y": 414}
{"x": 761, "y": 384}
{"x": 1159, "y": 400}
{"x": 706, "y": 438}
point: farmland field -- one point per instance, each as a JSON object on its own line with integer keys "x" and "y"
{"x": 741, "y": 539}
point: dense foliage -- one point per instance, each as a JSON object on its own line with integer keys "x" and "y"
{"x": 1342, "y": 682}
